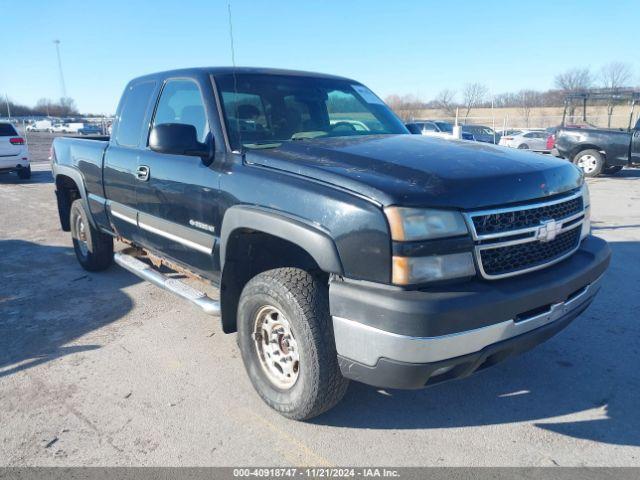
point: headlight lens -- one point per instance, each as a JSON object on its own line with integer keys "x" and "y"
{"x": 412, "y": 270}
{"x": 586, "y": 201}
{"x": 408, "y": 224}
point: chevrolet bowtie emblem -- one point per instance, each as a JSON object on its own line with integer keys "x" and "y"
{"x": 548, "y": 230}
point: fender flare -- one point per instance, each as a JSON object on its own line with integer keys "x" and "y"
{"x": 75, "y": 175}
{"x": 311, "y": 238}
{"x": 586, "y": 146}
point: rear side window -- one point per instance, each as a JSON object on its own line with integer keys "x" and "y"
{"x": 132, "y": 113}
{"x": 181, "y": 102}
{"x": 7, "y": 130}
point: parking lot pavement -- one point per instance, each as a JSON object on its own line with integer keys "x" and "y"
{"x": 103, "y": 369}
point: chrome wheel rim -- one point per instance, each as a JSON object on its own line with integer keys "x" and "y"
{"x": 276, "y": 347}
{"x": 81, "y": 236}
{"x": 588, "y": 163}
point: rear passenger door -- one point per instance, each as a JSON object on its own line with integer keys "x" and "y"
{"x": 538, "y": 141}
{"x": 178, "y": 201}
{"x": 121, "y": 158}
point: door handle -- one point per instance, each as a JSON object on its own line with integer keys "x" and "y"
{"x": 142, "y": 173}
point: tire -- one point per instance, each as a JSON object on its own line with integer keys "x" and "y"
{"x": 24, "y": 173}
{"x": 591, "y": 162}
{"x": 612, "y": 170}
{"x": 523, "y": 146}
{"x": 297, "y": 305}
{"x": 94, "y": 249}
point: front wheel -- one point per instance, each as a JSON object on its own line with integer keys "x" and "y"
{"x": 591, "y": 162}
{"x": 523, "y": 146}
{"x": 286, "y": 339}
{"x": 94, "y": 249}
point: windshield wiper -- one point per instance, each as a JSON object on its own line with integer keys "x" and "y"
{"x": 262, "y": 144}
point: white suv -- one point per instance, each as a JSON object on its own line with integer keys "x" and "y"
{"x": 14, "y": 154}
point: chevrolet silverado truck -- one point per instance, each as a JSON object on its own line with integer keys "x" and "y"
{"x": 339, "y": 252}
{"x": 600, "y": 150}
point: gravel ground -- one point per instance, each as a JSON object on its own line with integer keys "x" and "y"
{"x": 103, "y": 369}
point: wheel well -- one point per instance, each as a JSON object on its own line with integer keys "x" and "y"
{"x": 249, "y": 253}
{"x": 66, "y": 192}
{"x": 583, "y": 147}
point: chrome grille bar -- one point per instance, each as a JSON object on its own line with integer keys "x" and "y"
{"x": 523, "y": 235}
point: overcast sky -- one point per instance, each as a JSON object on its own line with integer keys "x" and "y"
{"x": 418, "y": 47}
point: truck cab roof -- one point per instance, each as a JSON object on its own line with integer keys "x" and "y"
{"x": 237, "y": 70}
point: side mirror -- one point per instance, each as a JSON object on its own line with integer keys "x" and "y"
{"x": 179, "y": 139}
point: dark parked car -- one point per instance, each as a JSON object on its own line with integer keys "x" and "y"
{"x": 90, "y": 129}
{"x": 340, "y": 253}
{"x": 434, "y": 128}
{"x": 481, "y": 133}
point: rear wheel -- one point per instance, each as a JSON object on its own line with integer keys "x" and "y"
{"x": 286, "y": 339}
{"x": 25, "y": 173}
{"x": 612, "y": 170}
{"x": 93, "y": 248}
{"x": 591, "y": 162}
{"x": 523, "y": 146}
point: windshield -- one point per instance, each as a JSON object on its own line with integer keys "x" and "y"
{"x": 7, "y": 130}
{"x": 478, "y": 130}
{"x": 262, "y": 111}
{"x": 445, "y": 127}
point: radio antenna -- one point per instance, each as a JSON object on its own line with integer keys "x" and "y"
{"x": 233, "y": 52}
{"x": 235, "y": 78}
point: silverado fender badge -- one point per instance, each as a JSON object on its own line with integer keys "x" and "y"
{"x": 548, "y": 230}
{"x": 203, "y": 226}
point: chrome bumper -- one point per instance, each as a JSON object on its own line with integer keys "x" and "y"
{"x": 366, "y": 345}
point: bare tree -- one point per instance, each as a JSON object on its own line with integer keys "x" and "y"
{"x": 62, "y": 108}
{"x": 473, "y": 95}
{"x": 407, "y": 107}
{"x": 614, "y": 76}
{"x": 574, "y": 80}
{"x": 446, "y": 101}
{"x": 527, "y": 99}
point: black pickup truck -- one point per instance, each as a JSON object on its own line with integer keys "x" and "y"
{"x": 599, "y": 150}
{"x": 343, "y": 247}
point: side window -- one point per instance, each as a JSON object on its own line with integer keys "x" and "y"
{"x": 430, "y": 127}
{"x": 528, "y": 135}
{"x": 136, "y": 99}
{"x": 181, "y": 102}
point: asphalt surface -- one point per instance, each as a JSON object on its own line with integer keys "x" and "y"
{"x": 104, "y": 369}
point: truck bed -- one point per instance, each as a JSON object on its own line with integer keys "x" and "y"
{"x": 80, "y": 157}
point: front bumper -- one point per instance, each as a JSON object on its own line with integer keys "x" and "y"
{"x": 406, "y": 339}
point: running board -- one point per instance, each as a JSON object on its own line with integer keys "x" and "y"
{"x": 144, "y": 271}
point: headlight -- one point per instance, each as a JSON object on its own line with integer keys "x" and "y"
{"x": 412, "y": 270}
{"x": 409, "y": 224}
{"x": 586, "y": 201}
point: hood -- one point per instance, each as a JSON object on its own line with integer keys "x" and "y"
{"x": 415, "y": 170}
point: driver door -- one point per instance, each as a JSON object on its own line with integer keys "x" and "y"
{"x": 178, "y": 197}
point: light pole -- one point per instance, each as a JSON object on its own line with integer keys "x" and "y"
{"x": 6, "y": 97}
{"x": 62, "y": 85}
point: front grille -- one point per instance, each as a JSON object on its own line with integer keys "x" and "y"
{"x": 523, "y": 256}
{"x": 501, "y": 222}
